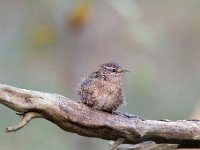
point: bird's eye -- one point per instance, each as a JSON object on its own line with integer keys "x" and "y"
{"x": 114, "y": 70}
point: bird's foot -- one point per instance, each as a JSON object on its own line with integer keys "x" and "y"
{"x": 125, "y": 114}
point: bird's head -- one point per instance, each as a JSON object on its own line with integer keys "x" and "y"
{"x": 112, "y": 69}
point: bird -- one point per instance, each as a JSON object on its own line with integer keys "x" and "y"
{"x": 102, "y": 89}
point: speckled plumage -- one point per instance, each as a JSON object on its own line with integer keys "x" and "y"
{"x": 101, "y": 90}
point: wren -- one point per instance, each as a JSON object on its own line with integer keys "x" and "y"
{"x": 102, "y": 90}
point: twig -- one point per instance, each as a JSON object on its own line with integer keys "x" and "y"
{"x": 114, "y": 145}
{"x": 25, "y": 120}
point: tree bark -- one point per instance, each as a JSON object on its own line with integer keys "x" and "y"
{"x": 75, "y": 117}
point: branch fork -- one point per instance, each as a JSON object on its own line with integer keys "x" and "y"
{"x": 26, "y": 117}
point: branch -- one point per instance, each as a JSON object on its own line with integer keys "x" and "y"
{"x": 75, "y": 117}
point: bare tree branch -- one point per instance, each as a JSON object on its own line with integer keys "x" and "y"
{"x": 75, "y": 117}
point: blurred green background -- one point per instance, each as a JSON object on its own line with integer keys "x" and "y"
{"x": 49, "y": 46}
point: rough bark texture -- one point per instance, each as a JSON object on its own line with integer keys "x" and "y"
{"x": 75, "y": 117}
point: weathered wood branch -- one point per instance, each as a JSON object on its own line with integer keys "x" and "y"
{"x": 77, "y": 118}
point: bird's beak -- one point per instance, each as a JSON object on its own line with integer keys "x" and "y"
{"x": 125, "y": 71}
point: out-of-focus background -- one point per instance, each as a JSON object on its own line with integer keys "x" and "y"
{"x": 49, "y": 46}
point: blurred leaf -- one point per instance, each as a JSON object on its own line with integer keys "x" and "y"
{"x": 81, "y": 14}
{"x": 42, "y": 35}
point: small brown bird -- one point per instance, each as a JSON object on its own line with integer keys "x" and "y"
{"x": 101, "y": 90}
